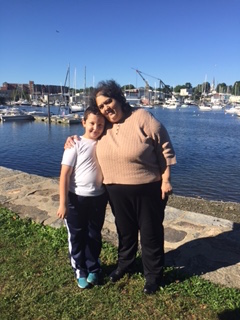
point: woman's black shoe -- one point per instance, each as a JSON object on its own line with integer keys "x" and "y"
{"x": 117, "y": 275}
{"x": 150, "y": 288}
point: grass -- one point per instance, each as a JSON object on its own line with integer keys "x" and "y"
{"x": 37, "y": 282}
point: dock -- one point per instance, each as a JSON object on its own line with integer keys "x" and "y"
{"x": 76, "y": 119}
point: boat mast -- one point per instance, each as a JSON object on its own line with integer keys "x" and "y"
{"x": 84, "y": 92}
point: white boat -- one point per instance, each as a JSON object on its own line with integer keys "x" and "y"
{"x": 38, "y": 113}
{"x": 35, "y": 103}
{"x": 203, "y": 106}
{"x": 15, "y": 114}
{"x": 232, "y": 110}
{"x": 157, "y": 102}
{"x": 217, "y": 105}
{"x": 76, "y": 107}
{"x": 188, "y": 101}
{"x": 25, "y": 102}
{"x": 133, "y": 101}
{"x": 172, "y": 103}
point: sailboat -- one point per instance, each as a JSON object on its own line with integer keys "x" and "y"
{"x": 75, "y": 106}
{"x": 204, "y": 106}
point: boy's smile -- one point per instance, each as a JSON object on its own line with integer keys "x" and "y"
{"x": 94, "y": 126}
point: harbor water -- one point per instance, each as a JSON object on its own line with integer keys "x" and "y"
{"x": 206, "y": 144}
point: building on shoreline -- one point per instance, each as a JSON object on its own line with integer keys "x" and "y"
{"x": 13, "y": 91}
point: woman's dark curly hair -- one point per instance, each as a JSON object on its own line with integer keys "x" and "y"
{"x": 110, "y": 89}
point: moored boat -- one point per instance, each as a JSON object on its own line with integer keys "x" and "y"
{"x": 35, "y": 113}
{"x": 232, "y": 110}
{"x": 217, "y": 105}
{"x": 15, "y": 114}
{"x": 204, "y": 107}
{"x": 76, "y": 107}
{"x": 171, "y": 103}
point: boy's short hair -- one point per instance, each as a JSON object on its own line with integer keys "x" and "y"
{"x": 93, "y": 110}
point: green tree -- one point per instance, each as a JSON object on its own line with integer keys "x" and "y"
{"x": 197, "y": 92}
{"x": 206, "y": 87}
{"x": 236, "y": 88}
{"x": 177, "y": 88}
{"x": 230, "y": 89}
{"x": 188, "y": 85}
{"x": 128, "y": 86}
{"x": 221, "y": 88}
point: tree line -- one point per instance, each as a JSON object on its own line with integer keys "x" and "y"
{"x": 197, "y": 91}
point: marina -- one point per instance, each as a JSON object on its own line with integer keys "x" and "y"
{"x": 20, "y": 114}
{"x": 206, "y": 144}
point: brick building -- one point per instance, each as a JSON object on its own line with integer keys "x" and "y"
{"x": 9, "y": 90}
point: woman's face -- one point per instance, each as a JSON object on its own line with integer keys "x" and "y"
{"x": 110, "y": 108}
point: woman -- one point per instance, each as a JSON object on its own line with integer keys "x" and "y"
{"x": 135, "y": 154}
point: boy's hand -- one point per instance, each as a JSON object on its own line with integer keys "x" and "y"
{"x": 70, "y": 142}
{"x": 62, "y": 212}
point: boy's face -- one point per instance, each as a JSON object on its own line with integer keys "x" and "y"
{"x": 94, "y": 126}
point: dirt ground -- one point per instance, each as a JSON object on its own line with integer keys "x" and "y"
{"x": 223, "y": 210}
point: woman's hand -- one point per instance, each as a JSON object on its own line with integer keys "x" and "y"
{"x": 166, "y": 184}
{"x": 70, "y": 142}
{"x": 166, "y": 189}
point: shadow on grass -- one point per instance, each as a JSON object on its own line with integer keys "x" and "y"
{"x": 171, "y": 275}
{"x": 229, "y": 315}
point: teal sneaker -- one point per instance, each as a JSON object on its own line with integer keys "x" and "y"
{"x": 82, "y": 283}
{"x": 93, "y": 278}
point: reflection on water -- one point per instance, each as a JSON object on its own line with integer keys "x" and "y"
{"x": 206, "y": 144}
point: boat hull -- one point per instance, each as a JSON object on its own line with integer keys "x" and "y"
{"x": 16, "y": 117}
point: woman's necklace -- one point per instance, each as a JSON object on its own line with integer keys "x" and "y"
{"x": 117, "y": 128}
{"x": 121, "y": 121}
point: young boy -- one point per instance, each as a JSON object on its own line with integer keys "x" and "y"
{"x": 83, "y": 200}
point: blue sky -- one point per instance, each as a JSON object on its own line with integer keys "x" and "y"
{"x": 175, "y": 41}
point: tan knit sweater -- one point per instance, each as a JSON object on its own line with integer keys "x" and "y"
{"x": 135, "y": 151}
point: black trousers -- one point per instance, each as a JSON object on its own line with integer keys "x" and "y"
{"x": 84, "y": 224}
{"x": 139, "y": 208}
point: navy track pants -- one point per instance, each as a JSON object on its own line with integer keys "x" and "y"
{"x": 84, "y": 224}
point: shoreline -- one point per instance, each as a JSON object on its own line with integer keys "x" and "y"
{"x": 219, "y": 209}
{"x": 224, "y": 210}
{"x": 216, "y": 208}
